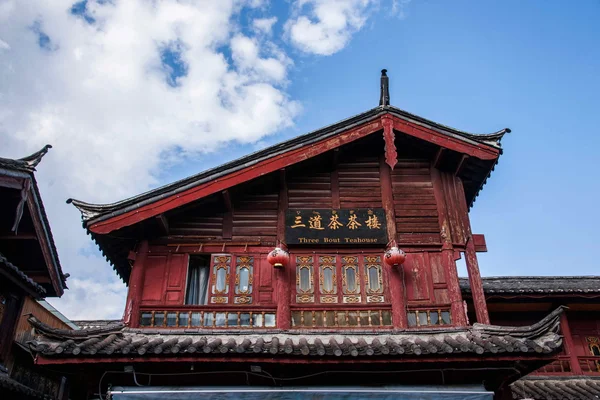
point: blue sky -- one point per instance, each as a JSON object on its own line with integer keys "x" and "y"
{"x": 530, "y": 66}
{"x": 136, "y": 94}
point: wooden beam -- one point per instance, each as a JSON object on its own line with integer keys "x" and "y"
{"x": 163, "y": 224}
{"x": 19, "y": 236}
{"x": 228, "y": 216}
{"x": 478, "y": 150}
{"x": 335, "y": 180}
{"x": 227, "y": 200}
{"x": 479, "y": 242}
{"x": 438, "y": 157}
{"x": 282, "y": 205}
{"x": 461, "y": 164}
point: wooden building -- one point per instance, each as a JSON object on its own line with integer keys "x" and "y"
{"x": 280, "y": 274}
{"x": 29, "y": 271}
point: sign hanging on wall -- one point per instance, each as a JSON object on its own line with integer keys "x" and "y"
{"x": 357, "y": 226}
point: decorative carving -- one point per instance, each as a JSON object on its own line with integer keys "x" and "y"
{"x": 242, "y": 300}
{"x": 305, "y": 298}
{"x": 222, "y": 262}
{"x": 328, "y": 299}
{"x": 219, "y": 300}
{"x": 375, "y": 299}
{"x": 351, "y": 299}
{"x": 391, "y": 155}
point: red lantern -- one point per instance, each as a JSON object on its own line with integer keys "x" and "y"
{"x": 394, "y": 256}
{"x": 278, "y": 258}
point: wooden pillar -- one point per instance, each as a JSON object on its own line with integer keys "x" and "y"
{"x": 284, "y": 315}
{"x": 397, "y": 295}
{"x": 457, "y": 310}
{"x": 8, "y": 323}
{"x": 136, "y": 286}
{"x": 481, "y": 311}
{"x": 283, "y": 275}
{"x": 569, "y": 344}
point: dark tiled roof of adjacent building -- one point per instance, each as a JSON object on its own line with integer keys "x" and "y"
{"x": 537, "y": 284}
{"x": 539, "y": 338}
{"x": 16, "y": 273}
{"x": 549, "y": 388}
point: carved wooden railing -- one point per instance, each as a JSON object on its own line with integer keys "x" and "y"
{"x": 558, "y": 367}
{"x": 221, "y": 318}
{"x": 342, "y": 318}
{"x": 589, "y": 365}
{"x": 429, "y": 317}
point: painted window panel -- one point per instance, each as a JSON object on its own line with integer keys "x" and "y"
{"x": 327, "y": 275}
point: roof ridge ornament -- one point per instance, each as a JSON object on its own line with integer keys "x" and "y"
{"x": 384, "y": 95}
{"x": 34, "y": 159}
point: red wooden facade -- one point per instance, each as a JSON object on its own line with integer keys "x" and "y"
{"x": 427, "y": 215}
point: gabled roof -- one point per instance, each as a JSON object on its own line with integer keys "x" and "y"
{"x": 548, "y": 285}
{"x": 24, "y": 169}
{"x": 118, "y": 341}
{"x": 485, "y": 146}
{"x": 11, "y": 271}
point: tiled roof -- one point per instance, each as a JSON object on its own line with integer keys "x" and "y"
{"x": 21, "y": 276}
{"x": 27, "y": 165}
{"x": 548, "y": 388}
{"x": 539, "y": 338}
{"x": 537, "y": 284}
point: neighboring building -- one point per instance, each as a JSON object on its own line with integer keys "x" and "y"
{"x": 278, "y": 276}
{"x": 575, "y": 374}
{"x": 29, "y": 272}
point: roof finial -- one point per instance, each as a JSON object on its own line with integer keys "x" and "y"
{"x": 384, "y": 97}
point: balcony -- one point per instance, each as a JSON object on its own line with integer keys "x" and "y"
{"x": 588, "y": 366}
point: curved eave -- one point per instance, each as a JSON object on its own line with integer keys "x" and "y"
{"x": 93, "y": 213}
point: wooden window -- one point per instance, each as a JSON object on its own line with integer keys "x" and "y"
{"x": 360, "y": 278}
{"x": 304, "y": 279}
{"x": 244, "y": 273}
{"x": 594, "y": 345}
{"x": 197, "y": 280}
{"x": 328, "y": 279}
{"x": 373, "y": 279}
{"x": 220, "y": 278}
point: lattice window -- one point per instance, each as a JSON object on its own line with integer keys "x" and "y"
{"x": 305, "y": 288}
{"x": 244, "y": 272}
{"x": 341, "y": 279}
{"x": 220, "y": 279}
{"x": 328, "y": 279}
{"x": 373, "y": 279}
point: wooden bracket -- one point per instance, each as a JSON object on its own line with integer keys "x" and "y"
{"x": 163, "y": 224}
{"x": 461, "y": 164}
{"x": 438, "y": 157}
{"x": 391, "y": 155}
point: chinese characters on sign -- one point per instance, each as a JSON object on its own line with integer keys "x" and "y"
{"x": 352, "y": 226}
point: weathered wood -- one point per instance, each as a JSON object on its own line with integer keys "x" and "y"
{"x": 387, "y": 198}
{"x": 569, "y": 344}
{"x": 476, "y": 284}
{"x": 335, "y": 182}
{"x": 391, "y": 155}
{"x": 136, "y": 285}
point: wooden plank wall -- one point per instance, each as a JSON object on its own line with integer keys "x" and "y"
{"x": 414, "y": 203}
{"x": 23, "y": 331}
{"x": 359, "y": 183}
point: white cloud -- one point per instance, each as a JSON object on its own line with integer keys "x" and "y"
{"x": 324, "y": 27}
{"x": 100, "y": 94}
{"x": 127, "y": 88}
{"x": 264, "y": 25}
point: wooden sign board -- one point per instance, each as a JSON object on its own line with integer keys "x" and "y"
{"x": 362, "y": 226}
